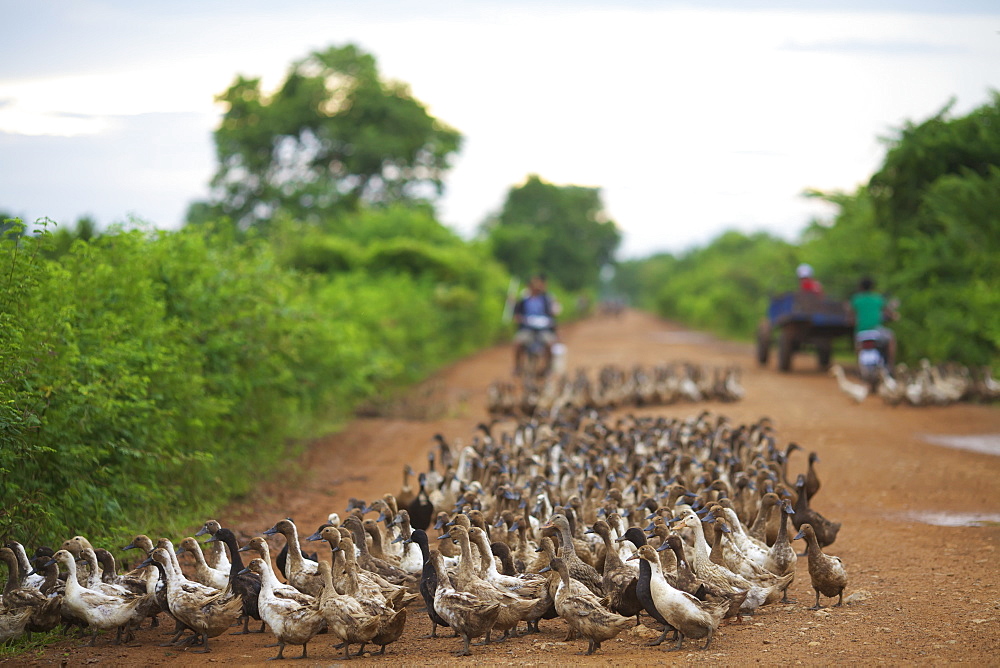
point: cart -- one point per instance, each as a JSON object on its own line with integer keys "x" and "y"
{"x": 803, "y": 320}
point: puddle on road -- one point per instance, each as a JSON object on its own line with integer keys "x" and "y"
{"x": 985, "y": 443}
{"x": 953, "y": 519}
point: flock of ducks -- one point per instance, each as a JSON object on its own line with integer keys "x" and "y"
{"x": 592, "y": 520}
{"x": 616, "y": 387}
{"x": 926, "y": 385}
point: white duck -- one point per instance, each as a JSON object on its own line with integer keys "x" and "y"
{"x": 203, "y": 573}
{"x": 290, "y": 621}
{"x": 100, "y": 611}
{"x": 692, "y": 618}
{"x": 856, "y": 391}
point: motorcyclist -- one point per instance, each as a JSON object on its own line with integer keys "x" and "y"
{"x": 535, "y": 315}
{"x": 871, "y": 311}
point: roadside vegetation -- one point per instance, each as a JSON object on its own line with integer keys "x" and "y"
{"x": 148, "y": 377}
{"x": 926, "y": 227}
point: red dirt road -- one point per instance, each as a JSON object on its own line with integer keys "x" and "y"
{"x": 924, "y": 594}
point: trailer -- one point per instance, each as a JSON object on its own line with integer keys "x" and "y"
{"x": 803, "y": 320}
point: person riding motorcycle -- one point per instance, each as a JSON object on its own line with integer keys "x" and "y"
{"x": 535, "y": 315}
{"x": 871, "y": 311}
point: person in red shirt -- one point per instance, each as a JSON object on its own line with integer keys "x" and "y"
{"x": 806, "y": 281}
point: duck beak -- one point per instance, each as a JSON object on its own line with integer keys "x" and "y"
{"x": 545, "y": 570}
{"x": 49, "y": 563}
{"x": 399, "y": 539}
{"x": 444, "y": 535}
{"x": 212, "y": 539}
{"x": 314, "y": 537}
{"x": 649, "y": 529}
{"x": 439, "y": 525}
{"x": 665, "y": 546}
{"x": 245, "y": 548}
{"x": 800, "y": 534}
{"x": 515, "y": 526}
{"x": 130, "y": 546}
{"x": 334, "y": 548}
{"x": 538, "y": 549}
{"x": 245, "y": 570}
{"x": 179, "y": 551}
{"x": 148, "y": 561}
{"x": 589, "y": 531}
{"x": 635, "y": 555}
{"x": 381, "y": 516}
{"x": 201, "y": 532}
{"x": 271, "y": 532}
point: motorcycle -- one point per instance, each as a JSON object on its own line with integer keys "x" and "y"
{"x": 873, "y": 351}
{"x": 873, "y": 348}
{"x": 537, "y": 355}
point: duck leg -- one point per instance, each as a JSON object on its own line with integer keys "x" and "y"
{"x": 205, "y": 649}
{"x": 465, "y": 646}
{"x": 840, "y": 601}
{"x": 347, "y": 651}
{"x": 246, "y": 629}
{"x": 680, "y": 641}
{"x": 179, "y": 628}
{"x": 93, "y": 639}
{"x": 281, "y": 652}
{"x": 591, "y": 646}
{"x": 304, "y": 651}
{"x": 817, "y": 606}
{"x": 667, "y": 628}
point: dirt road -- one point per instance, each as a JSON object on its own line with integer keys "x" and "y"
{"x": 923, "y": 593}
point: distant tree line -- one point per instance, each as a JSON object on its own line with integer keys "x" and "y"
{"x": 926, "y": 227}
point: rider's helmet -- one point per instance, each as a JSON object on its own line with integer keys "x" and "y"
{"x": 804, "y": 270}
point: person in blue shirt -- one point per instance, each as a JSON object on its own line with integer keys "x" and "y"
{"x": 535, "y": 316}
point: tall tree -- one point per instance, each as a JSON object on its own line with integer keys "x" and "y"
{"x": 561, "y": 230}
{"x": 333, "y": 135}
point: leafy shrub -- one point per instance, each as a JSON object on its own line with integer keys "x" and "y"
{"x": 148, "y": 377}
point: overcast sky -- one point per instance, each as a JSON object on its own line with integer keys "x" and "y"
{"x": 692, "y": 117}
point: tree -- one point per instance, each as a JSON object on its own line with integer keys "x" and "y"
{"x": 923, "y": 153}
{"x": 561, "y": 230}
{"x": 334, "y": 135}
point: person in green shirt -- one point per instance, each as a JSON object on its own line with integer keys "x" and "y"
{"x": 871, "y": 310}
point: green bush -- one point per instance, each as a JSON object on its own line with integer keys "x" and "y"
{"x": 148, "y": 377}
